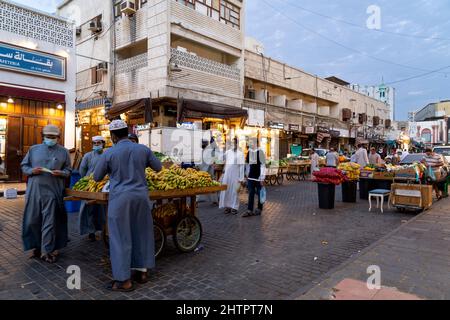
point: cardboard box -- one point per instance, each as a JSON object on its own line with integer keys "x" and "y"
{"x": 366, "y": 174}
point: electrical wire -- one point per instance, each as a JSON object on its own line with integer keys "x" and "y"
{"x": 417, "y": 76}
{"x": 340, "y": 44}
{"x": 362, "y": 27}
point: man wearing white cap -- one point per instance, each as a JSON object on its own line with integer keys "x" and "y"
{"x": 91, "y": 217}
{"x": 130, "y": 223}
{"x": 47, "y": 166}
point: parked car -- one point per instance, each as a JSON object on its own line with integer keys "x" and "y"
{"x": 306, "y": 153}
{"x": 443, "y": 150}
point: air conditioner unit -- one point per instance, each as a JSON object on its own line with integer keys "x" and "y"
{"x": 95, "y": 26}
{"x": 78, "y": 31}
{"x": 128, "y": 7}
{"x": 103, "y": 66}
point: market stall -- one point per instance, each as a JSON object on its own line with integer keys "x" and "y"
{"x": 173, "y": 214}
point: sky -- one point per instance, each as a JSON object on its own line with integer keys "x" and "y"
{"x": 326, "y": 38}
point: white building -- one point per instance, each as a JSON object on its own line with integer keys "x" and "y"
{"x": 156, "y": 52}
{"x": 37, "y": 81}
{"x": 382, "y": 93}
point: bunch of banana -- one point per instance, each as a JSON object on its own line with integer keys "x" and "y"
{"x": 88, "y": 184}
{"x": 176, "y": 178}
{"x": 166, "y": 210}
{"x": 81, "y": 185}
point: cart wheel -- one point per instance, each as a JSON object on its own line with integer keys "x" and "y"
{"x": 280, "y": 179}
{"x": 273, "y": 180}
{"x": 267, "y": 181}
{"x": 188, "y": 234}
{"x": 160, "y": 239}
{"x": 288, "y": 177}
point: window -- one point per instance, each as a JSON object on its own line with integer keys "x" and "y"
{"x": 220, "y": 10}
{"x": 96, "y": 75}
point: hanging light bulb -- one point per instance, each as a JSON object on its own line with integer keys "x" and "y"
{"x": 10, "y": 100}
{"x": 59, "y": 107}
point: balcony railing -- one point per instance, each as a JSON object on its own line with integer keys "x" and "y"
{"x": 133, "y": 63}
{"x": 184, "y": 59}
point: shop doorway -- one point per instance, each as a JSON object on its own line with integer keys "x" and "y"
{"x": 21, "y": 134}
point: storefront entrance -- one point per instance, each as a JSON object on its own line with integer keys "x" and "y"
{"x": 20, "y": 130}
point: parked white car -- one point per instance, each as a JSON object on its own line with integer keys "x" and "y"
{"x": 443, "y": 150}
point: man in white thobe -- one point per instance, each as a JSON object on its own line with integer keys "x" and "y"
{"x": 234, "y": 174}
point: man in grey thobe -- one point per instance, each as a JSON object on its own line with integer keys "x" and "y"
{"x": 130, "y": 221}
{"x": 47, "y": 166}
{"x": 91, "y": 217}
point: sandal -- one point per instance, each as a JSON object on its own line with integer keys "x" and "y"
{"x": 140, "y": 277}
{"x": 36, "y": 254}
{"x": 234, "y": 212}
{"x": 49, "y": 258}
{"x": 118, "y": 286}
{"x": 227, "y": 211}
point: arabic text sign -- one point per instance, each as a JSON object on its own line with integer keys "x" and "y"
{"x": 33, "y": 62}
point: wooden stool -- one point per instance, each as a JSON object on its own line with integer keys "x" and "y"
{"x": 379, "y": 194}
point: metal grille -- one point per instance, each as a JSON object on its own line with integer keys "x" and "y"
{"x": 31, "y": 24}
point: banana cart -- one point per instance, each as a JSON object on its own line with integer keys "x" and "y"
{"x": 172, "y": 215}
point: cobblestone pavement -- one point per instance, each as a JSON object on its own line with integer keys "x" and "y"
{"x": 270, "y": 257}
{"x": 415, "y": 259}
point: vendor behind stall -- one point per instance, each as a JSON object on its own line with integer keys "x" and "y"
{"x": 434, "y": 163}
{"x": 374, "y": 157}
{"x": 92, "y": 217}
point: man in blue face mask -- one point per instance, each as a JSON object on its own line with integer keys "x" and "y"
{"x": 91, "y": 217}
{"x": 47, "y": 166}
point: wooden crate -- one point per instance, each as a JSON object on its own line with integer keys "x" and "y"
{"x": 412, "y": 195}
{"x": 383, "y": 175}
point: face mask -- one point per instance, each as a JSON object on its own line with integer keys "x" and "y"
{"x": 50, "y": 142}
{"x": 98, "y": 149}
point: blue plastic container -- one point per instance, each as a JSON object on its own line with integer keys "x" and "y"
{"x": 73, "y": 206}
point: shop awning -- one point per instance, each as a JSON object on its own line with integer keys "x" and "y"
{"x": 120, "y": 108}
{"x": 202, "y": 109}
{"x": 15, "y": 91}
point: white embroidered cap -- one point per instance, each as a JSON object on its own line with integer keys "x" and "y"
{"x": 98, "y": 139}
{"x": 51, "y": 130}
{"x": 117, "y": 125}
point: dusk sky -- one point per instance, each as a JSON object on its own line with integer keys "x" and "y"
{"x": 326, "y": 38}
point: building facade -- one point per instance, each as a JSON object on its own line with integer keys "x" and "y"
{"x": 37, "y": 81}
{"x": 382, "y": 93}
{"x": 314, "y": 111}
{"x": 157, "y": 53}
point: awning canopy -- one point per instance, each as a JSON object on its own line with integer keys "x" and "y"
{"x": 202, "y": 109}
{"x": 120, "y": 108}
{"x": 31, "y": 93}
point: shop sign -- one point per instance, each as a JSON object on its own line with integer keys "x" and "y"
{"x": 142, "y": 127}
{"x": 276, "y": 125}
{"x": 360, "y": 135}
{"x": 294, "y": 127}
{"x": 335, "y": 133}
{"x": 309, "y": 130}
{"x": 323, "y": 129}
{"x": 33, "y": 62}
{"x": 256, "y": 117}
